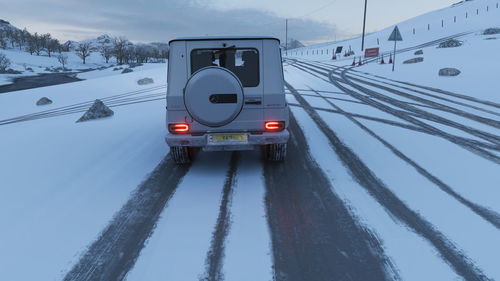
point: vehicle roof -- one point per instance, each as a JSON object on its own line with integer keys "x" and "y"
{"x": 215, "y": 38}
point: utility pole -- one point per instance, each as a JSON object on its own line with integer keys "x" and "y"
{"x": 286, "y": 37}
{"x": 364, "y": 28}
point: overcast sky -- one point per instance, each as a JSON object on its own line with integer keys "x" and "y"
{"x": 160, "y": 20}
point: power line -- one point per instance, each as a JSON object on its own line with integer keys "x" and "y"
{"x": 319, "y": 9}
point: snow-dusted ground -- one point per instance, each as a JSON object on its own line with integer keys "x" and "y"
{"x": 434, "y": 155}
{"x": 57, "y": 190}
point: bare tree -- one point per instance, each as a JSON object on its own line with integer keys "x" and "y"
{"x": 4, "y": 63}
{"x": 106, "y": 52}
{"x": 24, "y": 36}
{"x": 83, "y": 51}
{"x": 52, "y": 46}
{"x": 120, "y": 49}
{"x": 10, "y": 35}
{"x": 63, "y": 60}
{"x": 37, "y": 44}
{"x": 3, "y": 44}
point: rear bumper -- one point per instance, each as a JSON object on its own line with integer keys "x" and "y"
{"x": 254, "y": 140}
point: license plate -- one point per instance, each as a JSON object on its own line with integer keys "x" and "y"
{"x": 228, "y": 138}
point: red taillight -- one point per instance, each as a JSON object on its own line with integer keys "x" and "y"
{"x": 274, "y": 126}
{"x": 179, "y": 128}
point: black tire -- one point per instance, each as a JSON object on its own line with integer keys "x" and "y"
{"x": 181, "y": 154}
{"x": 275, "y": 152}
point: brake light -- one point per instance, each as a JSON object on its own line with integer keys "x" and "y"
{"x": 179, "y": 128}
{"x": 274, "y": 126}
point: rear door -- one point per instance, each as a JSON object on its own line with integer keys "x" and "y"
{"x": 242, "y": 57}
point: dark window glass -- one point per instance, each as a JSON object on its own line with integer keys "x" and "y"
{"x": 242, "y": 62}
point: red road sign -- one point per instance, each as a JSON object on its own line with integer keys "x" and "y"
{"x": 372, "y": 52}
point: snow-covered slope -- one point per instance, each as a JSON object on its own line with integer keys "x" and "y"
{"x": 466, "y": 16}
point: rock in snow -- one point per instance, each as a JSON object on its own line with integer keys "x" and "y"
{"x": 127, "y": 70}
{"x": 491, "y": 31}
{"x": 414, "y": 60}
{"x": 452, "y": 43}
{"x": 96, "y": 111}
{"x": 44, "y": 101}
{"x": 145, "y": 81}
{"x": 449, "y": 72}
{"x": 419, "y": 53}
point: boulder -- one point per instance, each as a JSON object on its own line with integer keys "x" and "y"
{"x": 96, "y": 111}
{"x": 452, "y": 43}
{"x": 145, "y": 81}
{"x": 491, "y": 31}
{"x": 44, "y": 101}
{"x": 414, "y": 60}
{"x": 127, "y": 70}
{"x": 449, "y": 72}
{"x": 419, "y": 53}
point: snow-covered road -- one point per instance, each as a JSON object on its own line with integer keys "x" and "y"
{"x": 385, "y": 180}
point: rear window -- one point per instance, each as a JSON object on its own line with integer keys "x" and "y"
{"x": 242, "y": 62}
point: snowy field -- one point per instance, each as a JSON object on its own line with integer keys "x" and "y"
{"x": 389, "y": 176}
{"x": 31, "y": 65}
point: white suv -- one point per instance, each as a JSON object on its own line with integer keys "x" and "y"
{"x": 226, "y": 94}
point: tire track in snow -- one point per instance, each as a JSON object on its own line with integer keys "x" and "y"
{"x": 468, "y": 144}
{"x": 359, "y": 76}
{"x": 441, "y": 91}
{"x": 127, "y": 98}
{"x": 489, "y": 215}
{"x": 116, "y": 250}
{"x": 314, "y": 236}
{"x": 458, "y": 260}
{"x": 215, "y": 255}
{"x": 409, "y": 108}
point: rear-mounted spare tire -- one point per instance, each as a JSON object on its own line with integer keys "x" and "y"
{"x": 213, "y": 96}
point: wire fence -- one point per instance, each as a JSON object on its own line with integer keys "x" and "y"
{"x": 444, "y": 23}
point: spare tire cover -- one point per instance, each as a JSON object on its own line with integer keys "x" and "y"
{"x": 213, "y": 96}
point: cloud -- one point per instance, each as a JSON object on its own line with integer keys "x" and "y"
{"x": 161, "y": 20}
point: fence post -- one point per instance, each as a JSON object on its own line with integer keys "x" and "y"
{"x": 414, "y": 31}
{"x": 429, "y": 26}
{"x": 442, "y": 23}
{"x": 455, "y": 19}
{"x": 466, "y": 15}
{"x": 477, "y": 11}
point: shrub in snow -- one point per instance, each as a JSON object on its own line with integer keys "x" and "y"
{"x": 145, "y": 81}
{"x": 117, "y": 68}
{"x": 62, "y": 59}
{"x": 491, "y": 31}
{"x": 414, "y": 60}
{"x": 11, "y": 71}
{"x": 452, "y": 43}
{"x": 96, "y": 111}
{"x": 419, "y": 53}
{"x": 4, "y": 63}
{"x": 133, "y": 65}
{"x": 44, "y": 101}
{"x": 127, "y": 70}
{"x": 449, "y": 72}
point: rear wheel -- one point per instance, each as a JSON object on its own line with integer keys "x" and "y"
{"x": 181, "y": 154}
{"x": 275, "y": 152}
